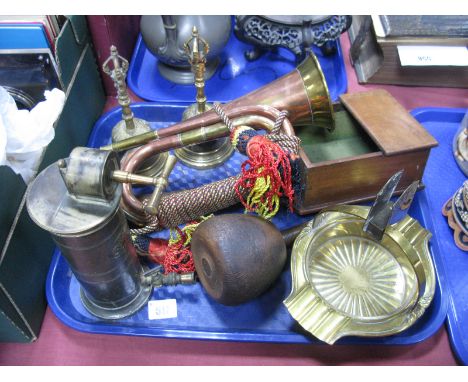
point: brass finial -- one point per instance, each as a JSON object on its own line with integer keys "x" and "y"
{"x": 196, "y": 48}
{"x": 118, "y": 74}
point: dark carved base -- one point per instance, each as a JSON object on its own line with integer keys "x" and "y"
{"x": 296, "y": 33}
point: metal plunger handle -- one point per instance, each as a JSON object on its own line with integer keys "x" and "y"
{"x": 161, "y": 182}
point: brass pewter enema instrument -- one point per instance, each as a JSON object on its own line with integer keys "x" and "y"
{"x": 77, "y": 200}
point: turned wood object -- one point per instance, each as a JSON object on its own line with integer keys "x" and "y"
{"x": 237, "y": 257}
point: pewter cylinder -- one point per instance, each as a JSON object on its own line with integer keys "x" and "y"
{"x": 105, "y": 264}
{"x": 93, "y": 237}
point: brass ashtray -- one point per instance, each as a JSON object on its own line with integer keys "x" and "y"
{"x": 346, "y": 282}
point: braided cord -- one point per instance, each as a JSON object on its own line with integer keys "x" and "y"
{"x": 279, "y": 122}
{"x": 152, "y": 226}
{"x": 180, "y": 207}
{"x": 286, "y": 142}
{"x": 220, "y": 111}
{"x": 289, "y": 143}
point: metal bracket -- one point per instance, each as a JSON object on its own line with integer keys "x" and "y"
{"x": 156, "y": 278}
{"x": 384, "y": 212}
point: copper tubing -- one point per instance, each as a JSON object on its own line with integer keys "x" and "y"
{"x": 208, "y": 118}
{"x": 303, "y": 93}
{"x": 134, "y": 160}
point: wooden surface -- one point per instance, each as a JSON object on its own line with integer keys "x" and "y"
{"x": 424, "y": 25}
{"x": 60, "y": 345}
{"x": 391, "y": 72}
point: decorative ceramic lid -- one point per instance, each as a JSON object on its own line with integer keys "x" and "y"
{"x": 456, "y": 211}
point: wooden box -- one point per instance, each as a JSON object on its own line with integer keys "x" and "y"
{"x": 374, "y": 138}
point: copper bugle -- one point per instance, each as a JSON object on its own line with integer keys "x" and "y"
{"x": 303, "y": 93}
{"x": 259, "y": 117}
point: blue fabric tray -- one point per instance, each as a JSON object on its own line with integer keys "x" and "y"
{"x": 234, "y": 77}
{"x": 263, "y": 320}
{"x": 442, "y": 178}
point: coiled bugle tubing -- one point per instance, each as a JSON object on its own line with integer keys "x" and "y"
{"x": 201, "y": 128}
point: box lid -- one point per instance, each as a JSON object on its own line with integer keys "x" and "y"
{"x": 387, "y": 122}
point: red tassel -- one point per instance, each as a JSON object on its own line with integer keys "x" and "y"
{"x": 261, "y": 175}
{"x": 157, "y": 250}
{"x": 178, "y": 256}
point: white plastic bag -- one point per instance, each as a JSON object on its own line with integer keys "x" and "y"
{"x": 28, "y": 132}
{"x": 5, "y": 108}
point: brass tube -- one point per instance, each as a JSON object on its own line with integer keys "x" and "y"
{"x": 203, "y": 134}
{"x": 210, "y": 117}
{"x": 131, "y": 142}
{"x": 127, "y": 177}
{"x": 161, "y": 183}
{"x": 206, "y": 119}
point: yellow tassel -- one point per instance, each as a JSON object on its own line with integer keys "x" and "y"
{"x": 237, "y": 132}
{"x": 254, "y": 198}
{"x": 188, "y": 230}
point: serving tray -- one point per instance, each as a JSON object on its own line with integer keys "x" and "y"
{"x": 442, "y": 178}
{"x": 234, "y": 77}
{"x": 264, "y": 319}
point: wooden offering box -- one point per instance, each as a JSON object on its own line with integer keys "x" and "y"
{"x": 374, "y": 138}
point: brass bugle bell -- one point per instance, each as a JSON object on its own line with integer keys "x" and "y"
{"x": 303, "y": 93}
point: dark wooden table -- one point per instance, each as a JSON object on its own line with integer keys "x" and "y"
{"x": 59, "y": 345}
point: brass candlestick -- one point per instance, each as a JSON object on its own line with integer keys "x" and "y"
{"x": 213, "y": 153}
{"x": 116, "y": 67}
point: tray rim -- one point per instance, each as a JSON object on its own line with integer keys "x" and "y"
{"x": 257, "y": 336}
{"x": 249, "y": 335}
{"x": 140, "y": 46}
{"x": 452, "y": 325}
